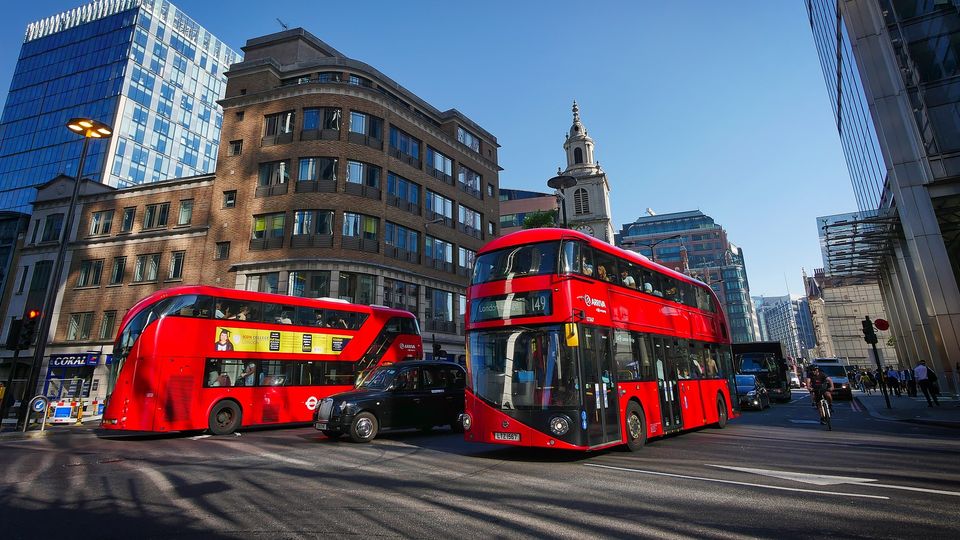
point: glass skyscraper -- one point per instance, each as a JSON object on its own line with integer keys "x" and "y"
{"x": 141, "y": 66}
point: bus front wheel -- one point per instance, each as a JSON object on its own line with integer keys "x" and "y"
{"x": 225, "y": 418}
{"x": 721, "y": 413}
{"x": 364, "y": 427}
{"x": 636, "y": 427}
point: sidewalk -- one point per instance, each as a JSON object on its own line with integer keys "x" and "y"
{"x": 912, "y": 409}
{"x": 8, "y": 431}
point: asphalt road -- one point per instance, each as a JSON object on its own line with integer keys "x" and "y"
{"x": 768, "y": 474}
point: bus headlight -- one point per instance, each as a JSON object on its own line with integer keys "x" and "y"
{"x": 559, "y": 425}
{"x": 466, "y": 421}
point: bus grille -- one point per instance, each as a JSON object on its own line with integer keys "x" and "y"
{"x": 325, "y": 407}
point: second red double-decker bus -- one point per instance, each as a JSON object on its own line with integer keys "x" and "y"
{"x": 573, "y": 343}
{"x": 191, "y": 358}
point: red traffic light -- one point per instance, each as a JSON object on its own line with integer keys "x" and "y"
{"x": 33, "y": 314}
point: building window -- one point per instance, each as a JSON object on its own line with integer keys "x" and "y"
{"x": 365, "y": 124}
{"x": 51, "y": 228}
{"x": 466, "y": 259}
{"x": 402, "y": 237}
{"x": 401, "y": 295}
{"x": 403, "y": 189}
{"x": 577, "y": 155}
{"x": 360, "y": 226}
{"x": 274, "y": 173}
{"x": 581, "y": 202}
{"x": 491, "y": 228}
{"x": 314, "y": 169}
{"x": 146, "y": 268}
{"x": 439, "y": 205}
{"x": 321, "y": 118}
{"x": 41, "y": 276}
{"x": 118, "y": 270}
{"x": 239, "y": 115}
{"x": 156, "y": 216}
{"x": 358, "y": 288}
{"x": 308, "y": 222}
{"x": 439, "y": 306}
{"x": 403, "y": 143}
{"x": 107, "y": 325}
{"x": 89, "y": 274}
{"x": 278, "y": 124}
{"x": 235, "y": 148}
{"x": 468, "y": 139}
{"x": 471, "y": 220}
{"x": 439, "y": 162}
{"x": 469, "y": 180}
{"x": 268, "y": 282}
{"x": 363, "y": 173}
{"x": 229, "y": 199}
{"x": 268, "y": 226}
{"x": 490, "y": 190}
{"x": 176, "y": 265}
{"x": 79, "y": 326}
{"x": 314, "y": 284}
{"x": 186, "y": 212}
{"x": 101, "y": 222}
{"x": 439, "y": 250}
{"x": 23, "y": 279}
{"x": 129, "y": 215}
{"x": 222, "y": 251}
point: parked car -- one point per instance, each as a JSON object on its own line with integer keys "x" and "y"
{"x": 405, "y": 395}
{"x": 751, "y": 393}
{"x": 794, "y": 380}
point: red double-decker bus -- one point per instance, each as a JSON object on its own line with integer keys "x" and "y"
{"x": 191, "y": 358}
{"x": 573, "y": 343}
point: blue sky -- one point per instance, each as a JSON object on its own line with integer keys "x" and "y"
{"x": 716, "y": 106}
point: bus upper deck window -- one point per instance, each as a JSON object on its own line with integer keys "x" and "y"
{"x": 571, "y": 258}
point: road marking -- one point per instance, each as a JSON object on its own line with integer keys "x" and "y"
{"x": 198, "y": 437}
{"x": 826, "y": 480}
{"x": 804, "y": 421}
{"x": 721, "y": 481}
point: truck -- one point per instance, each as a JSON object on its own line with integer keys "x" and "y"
{"x": 765, "y": 360}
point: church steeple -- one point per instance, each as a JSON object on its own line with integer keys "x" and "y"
{"x": 579, "y": 145}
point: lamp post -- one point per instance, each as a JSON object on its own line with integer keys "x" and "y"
{"x": 560, "y": 183}
{"x": 653, "y": 245}
{"x": 88, "y": 129}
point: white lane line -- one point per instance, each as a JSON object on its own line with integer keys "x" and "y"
{"x": 922, "y": 490}
{"x": 198, "y": 437}
{"x": 826, "y": 480}
{"x": 748, "y": 484}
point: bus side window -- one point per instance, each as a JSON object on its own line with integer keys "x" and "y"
{"x": 628, "y": 364}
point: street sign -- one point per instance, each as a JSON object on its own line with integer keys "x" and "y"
{"x": 38, "y": 404}
{"x": 881, "y": 324}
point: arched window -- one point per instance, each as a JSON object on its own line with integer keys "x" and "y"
{"x": 581, "y": 202}
{"x": 577, "y": 155}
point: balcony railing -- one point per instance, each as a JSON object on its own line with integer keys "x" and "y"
{"x": 316, "y": 186}
{"x": 279, "y": 138}
{"x": 405, "y": 157}
{"x": 311, "y": 241}
{"x": 438, "y": 264}
{"x": 320, "y": 135}
{"x": 430, "y": 215}
{"x": 470, "y": 230}
{"x": 447, "y": 327}
{"x": 442, "y": 176}
{"x": 360, "y": 244}
{"x": 470, "y": 190}
{"x": 362, "y": 190}
{"x": 402, "y": 204}
{"x": 272, "y": 189}
{"x": 360, "y": 138}
{"x": 401, "y": 254}
{"x": 260, "y": 244}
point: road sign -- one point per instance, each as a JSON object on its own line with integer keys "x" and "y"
{"x": 38, "y": 404}
{"x": 881, "y": 324}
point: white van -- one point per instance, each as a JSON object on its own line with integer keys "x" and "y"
{"x": 836, "y": 369}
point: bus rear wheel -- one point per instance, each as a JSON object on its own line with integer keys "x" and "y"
{"x": 636, "y": 427}
{"x": 721, "y": 413}
{"x": 225, "y": 418}
{"x": 364, "y": 427}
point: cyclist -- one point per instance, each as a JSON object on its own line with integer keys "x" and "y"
{"x": 819, "y": 384}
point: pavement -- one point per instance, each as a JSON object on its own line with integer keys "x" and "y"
{"x": 8, "y": 430}
{"x": 912, "y": 409}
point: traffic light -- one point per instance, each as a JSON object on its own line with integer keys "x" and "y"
{"x": 28, "y": 329}
{"x": 868, "y": 334}
{"x": 437, "y": 351}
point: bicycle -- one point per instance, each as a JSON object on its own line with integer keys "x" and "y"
{"x": 823, "y": 406}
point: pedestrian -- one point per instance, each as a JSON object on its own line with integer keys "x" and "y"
{"x": 893, "y": 381}
{"x": 925, "y": 380}
{"x": 865, "y": 384}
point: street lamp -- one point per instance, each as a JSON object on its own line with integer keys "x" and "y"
{"x": 652, "y": 245}
{"x": 88, "y": 129}
{"x": 560, "y": 183}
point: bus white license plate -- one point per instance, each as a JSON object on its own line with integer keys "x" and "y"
{"x": 320, "y": 425}
{"x": 498, "y": 436}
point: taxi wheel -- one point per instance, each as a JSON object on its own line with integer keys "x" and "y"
{"x": 364, "y": 428}
{"x": 225, "y": 418}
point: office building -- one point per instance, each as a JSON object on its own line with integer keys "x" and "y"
{"x": 691, "y": 242}
{"x": 142, "y": 67}
{"x": 785, "y": 319}
{"x": 891, "y": 76}
{"x": 517, "y": 204}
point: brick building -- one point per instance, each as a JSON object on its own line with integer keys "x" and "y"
{"x": 332, "y": 181}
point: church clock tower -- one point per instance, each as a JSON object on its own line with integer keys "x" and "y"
{"x": 588, "y": 202}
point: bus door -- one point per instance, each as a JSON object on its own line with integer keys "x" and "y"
{"x": 668, "y": 385}
{"x": 599, "y": 389}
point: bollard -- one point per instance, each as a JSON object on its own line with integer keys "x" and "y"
{"x": 80, "y": 412}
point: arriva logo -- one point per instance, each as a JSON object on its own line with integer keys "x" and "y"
{"x": 595, "y": 302}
